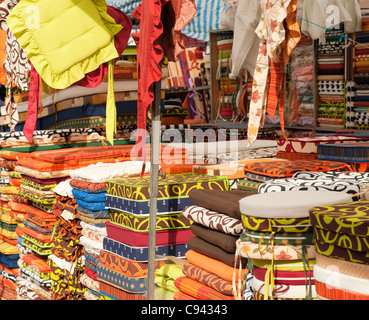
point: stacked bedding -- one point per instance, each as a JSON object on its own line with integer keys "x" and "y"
{"x": 278, "y": 241}
{"x": 216, "y": 225}
{"x": 89, "y": 191}
{"x": 340, "y": 233}
{"x": 66, "y": 259}
{"x": 123, "y": 270}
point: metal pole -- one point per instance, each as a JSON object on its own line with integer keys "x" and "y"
{"x": 154, "y": 175}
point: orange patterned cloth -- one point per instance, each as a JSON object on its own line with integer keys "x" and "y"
{"x": 199, "y": 290}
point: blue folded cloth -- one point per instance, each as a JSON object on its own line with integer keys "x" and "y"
{"x": 88, "y": 196}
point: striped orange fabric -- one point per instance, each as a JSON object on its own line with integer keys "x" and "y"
{"x": 199, "y": 290}
{"x": 333, "y": 293}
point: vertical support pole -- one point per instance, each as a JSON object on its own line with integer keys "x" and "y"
{"x": 154, "y": 175}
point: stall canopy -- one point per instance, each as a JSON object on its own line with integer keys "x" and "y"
{"x": 206, "y": 19}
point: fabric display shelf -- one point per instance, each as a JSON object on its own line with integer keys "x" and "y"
{"x": 278, "y": 241}
{"x": 306, "y": 148}
{"x": 341, "y": 231}
{"x": 331, "y": 85}
{"x": 301, "y": 88}
{"x": 216, "y": 226}
{"x": 259, "y": 171}
{"x": 354, "y": 154}
{"x": 359, "y": 95}
{"x": 127, "y": 202}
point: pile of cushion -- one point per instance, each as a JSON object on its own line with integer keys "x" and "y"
{"x": 125, "y": 249}
{"x": 216, "y": 224}
{"x": 341, "y": 232}
{"x": 278, "y": 241}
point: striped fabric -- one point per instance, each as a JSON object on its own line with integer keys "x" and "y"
{"x": 127, "y": 6}
{"x": 206, "y": 19}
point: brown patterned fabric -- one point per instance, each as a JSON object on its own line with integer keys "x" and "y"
{"x": 208, "y": 279}
{"x": 79, "y": 184}
{"x": 220, "y": 239}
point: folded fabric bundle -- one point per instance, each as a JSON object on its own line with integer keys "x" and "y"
{"x": 142, "y": 207}
{"x": 141, "y": 253}
{"x": 341, "y": 229}
{"x": 310, "y": 144}
{"x": 141, "y": 223}
{"x": 214, "y": 220}
{"x": 198, "y": 290}
{"x": 125, "y": 266}
{"x": 294, "y": 184}
{"x": 87, "y": 196}
{"x": 109, "y": 291}
{"x": 201, "y": 246}
{"x": 208, "y": 279}
{"x": 166, "y": 275}
{"x": 213, "y": 266}
{"x": 101, "y": 172}
{"x": 85, "y": 185}
{"x": 172, "y": 186}
{"x": 138, "y": 239}
{"x": 98, "y": 214}
{"x": 289, "y": 204}
{"x": 93, "y": 206}
{"x": 223, "y": 240}
{"x": 286, "y": 168}
{"x": 355, "y": 152}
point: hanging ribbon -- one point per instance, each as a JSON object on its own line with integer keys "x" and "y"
{"x": 33, "y": 102}
{"x": 111, "y": 110}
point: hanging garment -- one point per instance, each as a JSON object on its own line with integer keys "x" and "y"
{"x": 276, "y": 45}
{"x": 317, "y": 15}
{"x": 158, "y": 18}
{"x": 246, "y": 42}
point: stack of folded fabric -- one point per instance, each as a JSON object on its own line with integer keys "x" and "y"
{"x": 122, "y": 272}
{"x": 331, "y": 66}
{"x": 217, "y": 225}
{"x": 352, "y": 183}
{"x": 354, "y": 154}
{"x": 35, "y": 240}
{"x": 278, "y": 241}
{"x": 259, "y": 171}
{"x": 89, "y": 191}
{"x": 9, "y": 220}
{"x": 340, "y": 233}
{"x": 306, "y": 148}
{"x": 66, "y": 259}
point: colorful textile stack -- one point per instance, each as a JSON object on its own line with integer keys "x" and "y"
{"x": 278, "y": 241}
{"x": 89, "y": 191}
{"x": 216, "y": 224}
{"x": 123, "y": 269}
{"x": 259, "y": 171}
{"x": 340, "y": 233}
{"x": 331, "y": 86}
{"x": 354, "y": 154}
{"x": 305, "y": 148}
{"x": 66, "y": 259}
